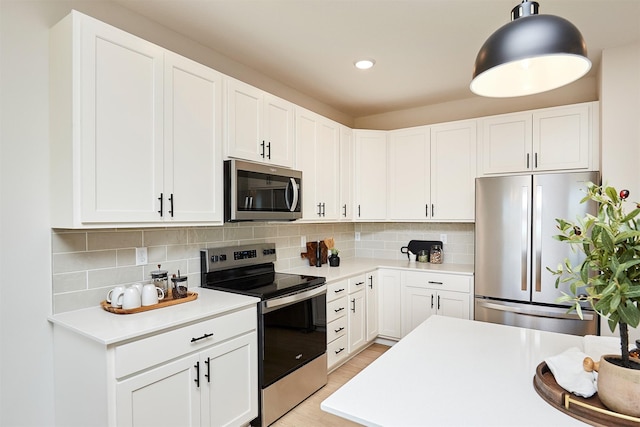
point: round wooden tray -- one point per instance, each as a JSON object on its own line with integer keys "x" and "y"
{"x": 589, "y": 410}
{"x": 165, "y": 302}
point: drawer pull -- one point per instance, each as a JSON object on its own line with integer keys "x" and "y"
{"x": 202, "y": 337}
{"x": 339, "y": 351}
{"x": 359, "y": 283}
{"x": 337, "y": 310}
{"x": 339, "y": 290}
{"x": 338, "y": 330}
{"x": 435, "y": 283}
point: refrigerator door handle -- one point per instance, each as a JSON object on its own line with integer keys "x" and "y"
{"x": 525, "y": 231}
{"x": 535, "y": 311}
{"x": 538, "y": 241}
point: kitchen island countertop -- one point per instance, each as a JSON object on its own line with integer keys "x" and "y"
{"x": 455, "y": 372}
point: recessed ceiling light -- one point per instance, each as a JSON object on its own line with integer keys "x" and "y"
{"x": 364, "y": 64}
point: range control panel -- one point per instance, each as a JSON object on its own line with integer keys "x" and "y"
{"x": 213, "y": 259}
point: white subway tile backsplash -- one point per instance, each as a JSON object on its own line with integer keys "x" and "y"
{"x": 86, "y": 264}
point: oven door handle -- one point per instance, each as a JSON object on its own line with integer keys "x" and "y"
{"x": 275, "y": 303}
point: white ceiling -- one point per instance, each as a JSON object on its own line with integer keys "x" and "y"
{"x": 424, "y": 49}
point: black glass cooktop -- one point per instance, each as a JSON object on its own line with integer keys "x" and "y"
{"x": 260, "y": 282}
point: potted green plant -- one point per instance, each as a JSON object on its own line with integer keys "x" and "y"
{"x": 609, "y": 279}
{"x": 334, "y": 259}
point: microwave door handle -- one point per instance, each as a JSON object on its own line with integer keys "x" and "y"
{"x": 291, "y": 204}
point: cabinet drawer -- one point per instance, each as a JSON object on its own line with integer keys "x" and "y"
{"x": 337, "y": 351}
{"x": 147, "y": 352}
{"x": 356, "y": 283}
{"x": 336, "y": 329}
{"x": 336, "y": 308}
{"x": 448, "y": 282}
{"x": 336, "y": 290}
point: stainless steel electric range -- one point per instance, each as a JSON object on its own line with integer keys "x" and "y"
{"x": 292, "y": 325}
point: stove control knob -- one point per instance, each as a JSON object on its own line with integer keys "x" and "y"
{"x": 223, "y": 257}
{"x": 214, "y": 258}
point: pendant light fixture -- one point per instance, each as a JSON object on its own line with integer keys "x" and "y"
{"x": 531, "y": 54}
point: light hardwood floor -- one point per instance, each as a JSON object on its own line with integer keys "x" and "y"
{"x": 308, "y": 413}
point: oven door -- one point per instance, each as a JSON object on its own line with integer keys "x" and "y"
{"x": 294, "y": 332}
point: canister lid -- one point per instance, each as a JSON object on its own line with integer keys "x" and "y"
{"x": 179, "y": 279}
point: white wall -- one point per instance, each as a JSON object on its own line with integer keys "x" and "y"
{"x": 620, "y": 127}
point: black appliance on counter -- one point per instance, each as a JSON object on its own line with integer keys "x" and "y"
{"x": 292, "y": 323}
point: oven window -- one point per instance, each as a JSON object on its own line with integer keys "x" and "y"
{"x": 264, "y": 193}
{"x": 293, "y": 335}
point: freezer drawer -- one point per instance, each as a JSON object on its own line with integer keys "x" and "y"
{"x": 544, "y": 318}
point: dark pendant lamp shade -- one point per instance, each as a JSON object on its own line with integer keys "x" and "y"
{"x": 531, "y": 54}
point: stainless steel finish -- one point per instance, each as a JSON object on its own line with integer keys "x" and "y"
{"x": 283, "y": 395}
{"x": 515, "y": 225}
{"x": 231, "y": 184}
{"x": 264, "y": 253}
{"x": 553, "y": 319}
{"x": 275, "y": 303}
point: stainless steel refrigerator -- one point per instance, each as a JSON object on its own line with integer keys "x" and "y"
{"x": 515, "y": 222}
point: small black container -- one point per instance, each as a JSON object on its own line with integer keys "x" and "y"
{"x": 334, "y": 261}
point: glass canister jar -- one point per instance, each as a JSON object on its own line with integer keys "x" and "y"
{"x": 160, "y": 278}
{"x": 179, "y": 286}
{"x": 435, "y": 256}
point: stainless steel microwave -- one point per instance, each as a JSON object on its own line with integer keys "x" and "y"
{"x": 257, "y": 192}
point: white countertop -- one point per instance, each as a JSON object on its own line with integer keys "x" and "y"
{"x": 454, "y": 372}
{"x": 353, "y": 266}
{"x": 109, "y": 328}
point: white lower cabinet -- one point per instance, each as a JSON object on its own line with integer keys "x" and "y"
{"x": 203, "y": 374}
{"x": 337, "y": 323}
{"x": 389, "y": 304}
{"x": 371, "y": 302}
{"x": 425, "y": 294}
{"x": 357, "y": 325}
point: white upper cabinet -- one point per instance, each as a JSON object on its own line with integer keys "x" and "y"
{"x": 453, "y": 171}
{"x": 259, "y": 126}
{"x": 318, "y": 142}
{"x": 550, "y": 139}
{"x": 409, "y": 158}
{"x": 345, "y": 204}
{"x": 193, "y": 152}
{"x": 370, "y": 175}
{"x": 135, "y": 130}
{"x": 432, "y": 172}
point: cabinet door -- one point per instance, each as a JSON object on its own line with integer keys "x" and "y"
{"x": 371, "y": 302}
{"x": 306, "y": 135}
{"x": 453, "y": 171}
{"x": 277, "y": 128}
{"x": 244, "y": 115}
{"x": 346, "y": 173}
{"x": 121, "y": 98}
{"x": 418, "y": 304}
{"x": 452, "y": 304}
{"x": 356, "y": 321}
{"x": 229, "y": 379}
{"x": 193, "y": 165}
{"x": 371, "y": 175}
{"x": 561, "y": 138}
{"x": 410, "y": 174}
{"x": 506, "y": 143}
{"x": 389, "y": 303}
{"x": 327, "y": 168}
{"x": 164, "y": 396}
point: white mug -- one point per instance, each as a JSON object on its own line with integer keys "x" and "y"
{"x": 151, "y": 294}
{"x": 138, "y": 286}
{"x": 130, "y": 298}
{"x": 113, "y": 294}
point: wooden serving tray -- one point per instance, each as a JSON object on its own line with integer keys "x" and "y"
{"x": 165, "y": 302}
{"x": 589, "y": 410}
